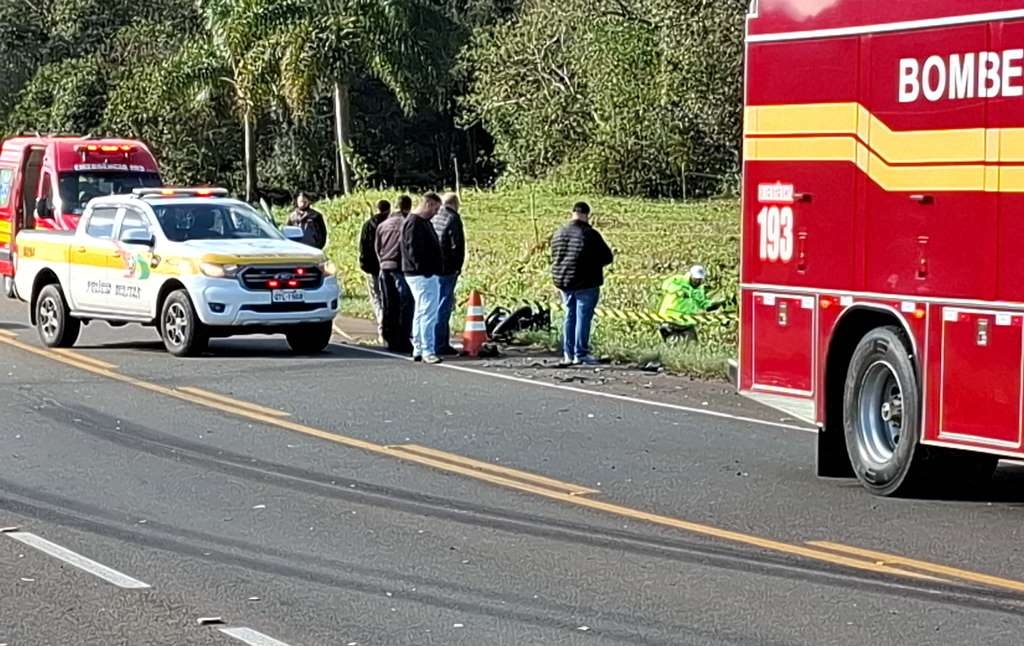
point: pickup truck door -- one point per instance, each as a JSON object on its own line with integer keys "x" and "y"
{"x": 135, "y": 291}
{"x": 93, "y": 256}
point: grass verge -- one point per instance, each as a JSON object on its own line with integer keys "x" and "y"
{"x": 508, "y": 234}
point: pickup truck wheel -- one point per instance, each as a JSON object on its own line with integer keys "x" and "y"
{"x": 181, "y": 330}
{"x": 310, "y": 339}
{"x": 57, "y": 328}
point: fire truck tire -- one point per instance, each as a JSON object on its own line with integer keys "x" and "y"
{"x": 183, "y": 334}
{"x": 310, "y": 339}
{"x": 882, "y": 416}
{"x": 56, "y": 327}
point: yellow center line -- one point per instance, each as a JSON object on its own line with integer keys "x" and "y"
{"x": 71, "y": 354}
{"x": 924, "y": 566}
{"x": 486, "y": 467}
{"x": 224, "y": 399}
{"x": 522, "y": 481}
{"x": 7, "y": 333}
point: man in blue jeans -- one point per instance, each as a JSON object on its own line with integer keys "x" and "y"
{"x": 578, "y": 257}
{"x": 421, "y": 264}
{"x": 452, "y": 238}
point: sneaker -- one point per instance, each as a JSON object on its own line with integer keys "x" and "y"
{"x": 566, "y": 362}
{"x": 432, "y": 359}
{"x": 417, "y": 359}
{"x": 587, "y": 361}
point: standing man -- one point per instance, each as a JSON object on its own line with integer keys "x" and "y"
{"x": 421, "y": 264}
{"x": 396, "y": 300}
{"x": 452, "y": 237}
{"x": 578, "y": 257}
{"x": 310, "y": 221}
{"x": 369, "y": 262}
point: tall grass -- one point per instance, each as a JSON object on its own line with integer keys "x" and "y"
{"x": 508, "y": 234}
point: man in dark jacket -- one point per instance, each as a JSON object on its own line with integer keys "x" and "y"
{"x": 421, "y": 264}
{"x": 310, "y": 221}
{"x": 452, "y": 237}
{"x": 396, "y": 300}
{"x": 369, "y": 263}
{"x": 578, "y": 257}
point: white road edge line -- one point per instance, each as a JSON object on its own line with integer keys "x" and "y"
{"x": 251, "y": 637}
{"x": 594, "y": 393}
{"x": 77, "y": 560}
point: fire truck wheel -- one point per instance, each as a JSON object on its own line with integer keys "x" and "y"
{"x": 310, "y": 339}
{"x": 882, "y": 415}
{"x": 181, "y": 330}
{"x": 57, "y": 328}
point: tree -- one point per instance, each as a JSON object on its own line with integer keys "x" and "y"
{"x": 612, "y": 95}
{"x": 405, "y": 44}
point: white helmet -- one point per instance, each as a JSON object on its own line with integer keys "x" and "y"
{"x": 698, "y": 272}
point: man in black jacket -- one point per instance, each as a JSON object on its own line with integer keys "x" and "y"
{"x": 369, "y": 263}
{"x": 578, "y": 257}
{"x": 311, "y": 221}
{"x": 452, "y": 237}
{"x": 421, "y": 265}
{"x": 395, "y": 296}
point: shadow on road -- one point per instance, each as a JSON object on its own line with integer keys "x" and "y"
{"x": 10, "y": 325}
{"x": 235, "y": 349}
{"x": 1005, "y": 488}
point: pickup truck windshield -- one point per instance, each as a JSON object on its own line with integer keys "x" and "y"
{"x": 213, "y": 221}
{"x": 76, "y": 189}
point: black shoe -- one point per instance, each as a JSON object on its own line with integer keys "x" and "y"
{"x": 418, "y": 359}
{"x": 448, "y": 352}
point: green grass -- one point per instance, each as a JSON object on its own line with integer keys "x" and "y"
{"x": 508, "y": 233}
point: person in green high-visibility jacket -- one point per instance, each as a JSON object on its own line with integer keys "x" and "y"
{"x": 684, "y": 297}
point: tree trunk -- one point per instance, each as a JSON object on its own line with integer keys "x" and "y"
{"x": 250, "y": 157}
{"x": 342, "y": 118}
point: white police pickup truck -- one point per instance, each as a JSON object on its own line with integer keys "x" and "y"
{"x": 190, "y": 262}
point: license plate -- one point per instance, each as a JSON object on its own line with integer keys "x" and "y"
{"x": 287, "y": 296}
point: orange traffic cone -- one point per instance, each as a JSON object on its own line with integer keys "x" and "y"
{"x": 475, "y": 335}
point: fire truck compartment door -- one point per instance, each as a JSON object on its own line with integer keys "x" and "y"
{"x": 981, "y": 386}
{"x": 783, "y": 355}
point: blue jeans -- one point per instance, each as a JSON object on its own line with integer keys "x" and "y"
{"x": 579, "y": 317}
{"x": 426, "y": 293}
{"x": 444, "y": 314}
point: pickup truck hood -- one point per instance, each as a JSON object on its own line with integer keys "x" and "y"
{"x": 252, "y": 252}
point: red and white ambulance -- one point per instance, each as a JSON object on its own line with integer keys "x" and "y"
{"x": 883, "y": 222}
{"x": 45, "y": 183}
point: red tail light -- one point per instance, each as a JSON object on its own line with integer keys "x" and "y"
{"x": 273, "y": 284}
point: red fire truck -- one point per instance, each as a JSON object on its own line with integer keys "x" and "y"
{"x": 45, "y": 183}
{"x": 883, "y": 232}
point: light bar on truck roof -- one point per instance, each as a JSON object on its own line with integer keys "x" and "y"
{"x": 104, "y": 148}
{"x": 180, "y": 192}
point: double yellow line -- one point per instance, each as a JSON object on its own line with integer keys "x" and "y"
{"x": 576, "y": 495}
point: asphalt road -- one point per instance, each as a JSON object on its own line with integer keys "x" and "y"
{"x": 357, "y": 499}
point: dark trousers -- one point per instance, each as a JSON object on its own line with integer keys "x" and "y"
{"x": 444, "y": 316}
{"x": 398, "y": 309}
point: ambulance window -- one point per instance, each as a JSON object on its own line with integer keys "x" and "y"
{"x": 133, "y": 221}
{"x": 101, "y": 224}
{"x": 6, "y": 181}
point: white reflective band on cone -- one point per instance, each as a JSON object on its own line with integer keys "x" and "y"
{"x": 476, "y": 326}
{"x": 475, "y": 310}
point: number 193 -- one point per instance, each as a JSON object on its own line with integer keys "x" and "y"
{"x": 776, "y": 225}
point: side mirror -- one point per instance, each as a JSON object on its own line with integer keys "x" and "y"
{"x": 139, "y": 237}
{"x": 295, "y": 234}
{"x": 43, "y": 210}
